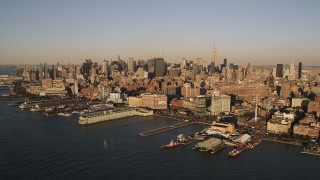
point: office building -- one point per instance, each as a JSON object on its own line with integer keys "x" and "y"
{"x": 279, "y": 70}
{"x": 300, "y": 70}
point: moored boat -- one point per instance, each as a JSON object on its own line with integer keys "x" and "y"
{"x": 23, "y": 105}
{"x": 236, "y": 151}
{"x": 182, "y": 139}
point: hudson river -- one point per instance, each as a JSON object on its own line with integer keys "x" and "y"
{"x": 34, "y": 146}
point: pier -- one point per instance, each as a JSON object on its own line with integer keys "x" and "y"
{"x": 164, "y": 129}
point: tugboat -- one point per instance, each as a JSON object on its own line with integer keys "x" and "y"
{"x": 236, "y": 151}
{"x": 172, "y": 144}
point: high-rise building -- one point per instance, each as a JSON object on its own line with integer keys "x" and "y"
{"x": 40, "y": 69}
{"x": 279, "y": 72}
{"x": 86, "y": 67}
{"x": 131, "y": 65}
{"x": 292, "y": 72}
{"x": 225, "y": 62}
{"x": 300, "y": 70}
{"x": 220, "y": 104}
{"x": 105, "y": 68}
{"x": 195, "y": 69}
{"x": 53, "y": 72}
{"x": 285, "y": 90}
{"x": 45, "y": 71}
{"x": 213, "y": 59}
{"x": 158, "y": 67}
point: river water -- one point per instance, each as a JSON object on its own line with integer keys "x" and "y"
{"x": 35, "y": 146}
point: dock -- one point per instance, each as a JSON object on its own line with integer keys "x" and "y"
{"x": 164, "y": 129}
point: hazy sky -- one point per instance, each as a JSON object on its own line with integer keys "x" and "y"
{"x": 256, "y": 31}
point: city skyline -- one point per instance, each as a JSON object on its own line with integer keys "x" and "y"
{"x": 261, "y": 33}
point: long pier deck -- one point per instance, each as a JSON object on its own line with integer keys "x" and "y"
{"x": 164, "y": 129}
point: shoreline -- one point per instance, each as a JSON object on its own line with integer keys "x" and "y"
{"x": 172, "y": 117}
{"x": 310, "y": 153}
{"x": 283, "y": 142}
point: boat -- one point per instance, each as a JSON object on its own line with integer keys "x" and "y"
{"x": 35, "y": 108}
{"x": 182, "y": 139}
{"x": 23, "y": 105}
{"x": 105, "y": 144}
{"x": 204, "y": 149}
{"x": 195, "y": 147}
{"x": 257, "y": 142}
{"x": 186, "y": 142}
{"x": 199, "y": 137}
{"x": 48, "y": 109}
{"x": 66, "y": 114}
{"x": 172, "y": 144}
{"x": 303, "y": 151}
{"x": 235, "y": 152}
{"x": 60, "y": 114}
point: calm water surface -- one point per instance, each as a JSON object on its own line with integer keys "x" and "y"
{"x": 34, "y": 146}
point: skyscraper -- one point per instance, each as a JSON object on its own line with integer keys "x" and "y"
{"x": 105, "y": 67}
{"x": 158, "y": 67}
{"x": 279, "y": 72}
{"x": 86, "y": 68}
{"x": 213, "y": 59}
{"x": 292, "y": 72}
{"x": 131, "y": 65}
{"x": 45, "y": 71}
{"x": 40, "y": 69}
{"x": 300, "y": 70}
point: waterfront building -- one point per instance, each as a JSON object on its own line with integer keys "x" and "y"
{"x": 306, "y": 130}
{"x": 115, "y": 97}
{"x": 279, "y": 126}
{"x": 135, "y": 101}
{"x": 243, "y": 138}
{"x": 222, "y": 127}
{"x": 154, "y": 101}
{"x": 220, "y": 104}
{"x": 210, "y": 144}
